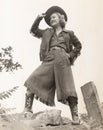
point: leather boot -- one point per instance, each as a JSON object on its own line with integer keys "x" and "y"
{"x": 28, "y": 104}
{"x": 74, "y": 113}
{"x": 74, "y": 110}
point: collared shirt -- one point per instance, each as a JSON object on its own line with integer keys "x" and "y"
{"x": 58, "y": 41}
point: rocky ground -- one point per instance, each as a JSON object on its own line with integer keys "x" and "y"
{"x": 45, "y": 120}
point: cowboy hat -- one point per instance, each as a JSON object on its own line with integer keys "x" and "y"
{"x": 52, "y": 10}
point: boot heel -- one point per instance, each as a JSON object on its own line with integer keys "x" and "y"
{"x": 28, "y": 114}
{"x": 76, "y": 122}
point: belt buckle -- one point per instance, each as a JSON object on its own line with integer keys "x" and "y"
{"x": 57, "y": 48}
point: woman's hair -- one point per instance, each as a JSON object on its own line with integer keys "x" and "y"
{"x": 62, "y": 19}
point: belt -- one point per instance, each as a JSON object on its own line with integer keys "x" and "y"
{"x": 56, "y": 48}
{"x": 59, "y": 48}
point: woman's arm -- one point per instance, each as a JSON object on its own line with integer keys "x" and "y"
{"x": 35, "y": 27}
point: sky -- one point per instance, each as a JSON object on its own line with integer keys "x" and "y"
{"x": 85, "y": 18}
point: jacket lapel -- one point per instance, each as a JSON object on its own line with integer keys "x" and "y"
{"x": 44, "y": 48}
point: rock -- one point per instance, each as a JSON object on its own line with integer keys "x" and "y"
{"x": 66, "y": 120}
{"x": 50, "y": 117}
{"x": 45, "y": 118}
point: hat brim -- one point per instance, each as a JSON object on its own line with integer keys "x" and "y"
{"x": 52, "y": 10}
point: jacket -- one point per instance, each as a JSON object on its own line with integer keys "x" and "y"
{"x": 72, "y": 42}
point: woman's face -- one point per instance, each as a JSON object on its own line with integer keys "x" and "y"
{"x": 54, "y": 20}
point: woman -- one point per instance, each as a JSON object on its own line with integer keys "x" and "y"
{"x": 58, "y": 51}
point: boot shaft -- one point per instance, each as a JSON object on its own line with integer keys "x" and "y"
{"x": 29, "y": 101}
{"x": 74, "y": 110}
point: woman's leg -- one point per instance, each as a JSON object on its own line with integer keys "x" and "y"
{"x": 28, "y": 104}
{"x": 40, "y": 85}
{"x": 28, "y": 101}
{"x": 66, "y": 92}
{"x": 73, "y": 103}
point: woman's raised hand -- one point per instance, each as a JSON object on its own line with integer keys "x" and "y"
{"x": 42, "y": 15}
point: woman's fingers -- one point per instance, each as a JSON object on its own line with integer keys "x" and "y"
{"x": 42, "y": 15}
